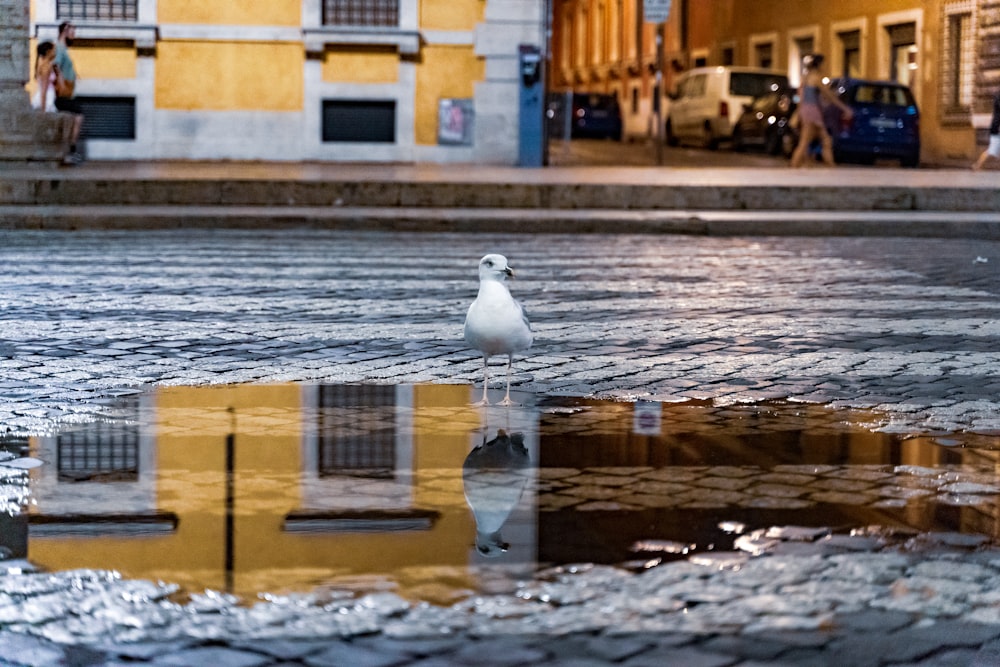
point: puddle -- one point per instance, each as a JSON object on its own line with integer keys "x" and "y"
{"x": 284, "y": 488}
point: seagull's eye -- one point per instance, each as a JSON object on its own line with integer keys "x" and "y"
{"x": 489, "y": 262}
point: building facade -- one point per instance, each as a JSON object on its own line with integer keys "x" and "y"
{"x": 329, "y": 80}
{"x": 947, "y": 51}
{"x": 605, "y": 46}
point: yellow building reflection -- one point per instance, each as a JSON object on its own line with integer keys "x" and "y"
{"x": 242, "y": 487}
{"x": 253, "y": 488}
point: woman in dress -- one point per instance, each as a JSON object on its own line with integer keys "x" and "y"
{"x": 811, "y": 126}
{"x": 45, "y": 78}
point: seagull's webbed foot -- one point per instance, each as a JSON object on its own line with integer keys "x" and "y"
{"x": 507, "y": 402}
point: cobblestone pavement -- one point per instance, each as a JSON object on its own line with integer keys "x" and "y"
{"x": 907, "y": 327}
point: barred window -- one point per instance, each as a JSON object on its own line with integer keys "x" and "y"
{"x": 99, "y": 452}
{"x": 355, "y": 432}
{"x": 363, "y": 13}
{"x": 97, "y": 10}
{"x": 958, "y": 62}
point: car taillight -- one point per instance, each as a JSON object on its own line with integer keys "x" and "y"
{"x": 845, "y": 123}
{"x": 723, "y": 110}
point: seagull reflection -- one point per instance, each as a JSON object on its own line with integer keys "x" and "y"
{"x": 493, "y": 477}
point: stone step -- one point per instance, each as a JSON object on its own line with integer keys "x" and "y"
{"x": 72, "y": 190}
{"x": 761, "y": 222}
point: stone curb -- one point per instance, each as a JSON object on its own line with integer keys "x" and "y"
{"x": 913, "y": 224}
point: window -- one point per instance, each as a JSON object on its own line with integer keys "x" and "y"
{"x": 958, "y": 62}
{"x": 97, "y": 10}
{"x": 728, "y": 56}
{"x": 750, "y": 84}
{"x": 763, "y": 55}
{"x": 359, "y": 120}
{"x": 850, "y": 48}
{"x": 902, "y": 52}
{"x": 99, "y": 452}
{"x": 805, "y": 45}
{"x": 362, "y": 13}
{"x": 694, "y": 87}
{"x": 107, "y": 117}
{"x": 346, "y": 448}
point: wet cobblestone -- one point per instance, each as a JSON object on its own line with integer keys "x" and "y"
{"x": 905, "y": 327}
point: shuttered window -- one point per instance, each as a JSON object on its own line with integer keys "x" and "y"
{"x": 359, "y": 121}
{"x": 107, "y": 117}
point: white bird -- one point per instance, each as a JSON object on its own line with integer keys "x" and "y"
{"x": 496, "y": 323}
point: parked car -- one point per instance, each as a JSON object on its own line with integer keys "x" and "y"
{"x": 593, "y": 115}
{"x": 765, "y": 122}
{"x": 708, "y": 100}
{"x": 886, "y": 122}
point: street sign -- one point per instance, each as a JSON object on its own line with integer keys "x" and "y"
{"x": 655, "y": 11}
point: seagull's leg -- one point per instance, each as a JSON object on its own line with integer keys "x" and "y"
{"x": 486, "y": 380}
{"x": 506, "y": 399}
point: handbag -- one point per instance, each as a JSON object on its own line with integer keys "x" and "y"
{"x": 64, "y": 87}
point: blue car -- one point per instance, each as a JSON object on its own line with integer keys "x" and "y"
{"x": 593, "y": 116}
{"x": 886, "y": 122}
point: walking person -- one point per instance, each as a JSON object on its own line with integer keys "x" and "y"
{"x": 993, "y": 150}
{"x": 44, "y": 97}
{"x": 811, "y": 125}
{"x": 66, "y": 87}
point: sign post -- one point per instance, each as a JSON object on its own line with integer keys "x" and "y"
{"x": 657, "y": 11}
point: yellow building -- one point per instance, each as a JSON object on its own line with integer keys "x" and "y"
{"x": 602, "y": 46}
{"x": 943, "y": 49}
{"x": 342, "y": 80}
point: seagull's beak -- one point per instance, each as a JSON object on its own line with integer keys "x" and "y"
{"x": 509, "y": 271}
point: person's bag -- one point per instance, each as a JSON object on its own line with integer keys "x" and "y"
{"x": 64, "y": 88}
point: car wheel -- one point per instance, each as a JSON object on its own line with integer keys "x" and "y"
{"x": 789, "y": 141}
{"x": 671, "y": 137}
{"x": 773, "y": 144}
{"x": 738, "y": 144}
{"x": 710, "y": 140}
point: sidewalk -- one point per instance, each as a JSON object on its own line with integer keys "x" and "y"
{"x": 707, "y": 201}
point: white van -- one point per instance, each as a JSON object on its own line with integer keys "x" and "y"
{"x": 708, "y": 101}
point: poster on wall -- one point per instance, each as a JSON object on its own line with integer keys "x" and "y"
{"x": 455, "y": 121}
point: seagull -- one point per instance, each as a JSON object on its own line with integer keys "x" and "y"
{"x": 496, "y": 323}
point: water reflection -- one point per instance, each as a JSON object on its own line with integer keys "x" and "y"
{"x": 282, "y": 487}
{"x": 14, "y": 496}
{"x": 494, "y": 479}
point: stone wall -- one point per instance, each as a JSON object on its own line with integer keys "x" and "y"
{"x": 508, "y": 23}
{"x": 25, "y": 134}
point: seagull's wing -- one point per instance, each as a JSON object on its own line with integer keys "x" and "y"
{"x": 524, "y": 312}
